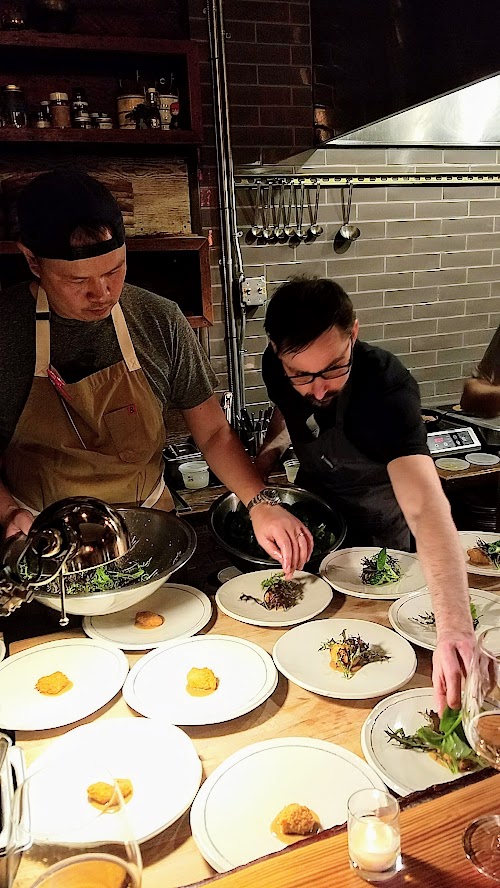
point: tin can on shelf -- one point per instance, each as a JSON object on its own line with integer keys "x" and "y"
{"x": 82, "y": 121}
{"x": 59, "y": 110}
{"x": 126, "y": 104}
{"x": 104, "y": 121}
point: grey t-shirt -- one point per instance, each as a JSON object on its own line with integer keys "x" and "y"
{"x": 176, "y": 367}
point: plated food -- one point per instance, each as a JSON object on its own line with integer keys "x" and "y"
{"x": 442, "y": 738}
{"x": 380, "y": 569}
{"x": 97, "y": 670}
{"x": 264, "y": 598}
{"x": 245, "y": 675}
{"x": 350, "y": 653}
{"x": 160, "y": 773}
{"x": 300, "y": 777}
{"x": 104, "y": 796}
{"x": 294, "y": 822}
{"x": 53, "y": 684}
{"x": 302, "y": 656}
{"x": 148, "y": 620}
{"x": 201, "y": 682}
{"x": 413, "y": 616}
{"x": 481, "y": 552}
{"x": 404, "y": 770}
{"x": 174, "y": 610}
{"x": 372, "y": 572}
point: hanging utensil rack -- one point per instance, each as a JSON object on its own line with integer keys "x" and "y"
{"x": 341, "y": 180}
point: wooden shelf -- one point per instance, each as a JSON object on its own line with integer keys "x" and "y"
{"x": 182, "y": 245}
{"x": 101, "y": 137}
{"x": 29, "y": 40}
{"x": 166, "y": 243}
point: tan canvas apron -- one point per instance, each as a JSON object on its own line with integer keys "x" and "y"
{"x": 103, "y": 436}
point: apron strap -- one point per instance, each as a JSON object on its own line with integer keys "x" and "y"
{"x": 124, "y": 339}
{"x": 42, "y": 333}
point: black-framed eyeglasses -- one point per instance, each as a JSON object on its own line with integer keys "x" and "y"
{"x": 335, "y": 372}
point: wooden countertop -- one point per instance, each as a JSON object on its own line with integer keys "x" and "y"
{"x": 172, "y": 858}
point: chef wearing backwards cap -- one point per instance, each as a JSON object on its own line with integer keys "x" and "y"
{"x": 89, "y": 367}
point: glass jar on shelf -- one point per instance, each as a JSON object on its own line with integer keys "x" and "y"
{"x": 13, "y": 106}
{"x": 59, "y": 110}
{"x": 42, "y": 120}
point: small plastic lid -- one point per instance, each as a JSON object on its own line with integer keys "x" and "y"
{"x": 482, "y": 459}
{"x": 58, "y": 97}
{"x": 452, "y": 464}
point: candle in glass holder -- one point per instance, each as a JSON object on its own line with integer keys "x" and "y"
{"x": 373, "y": 834}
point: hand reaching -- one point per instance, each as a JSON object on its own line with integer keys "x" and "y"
{"x": 282, "y": 536}
{"x": 450, "y": 663}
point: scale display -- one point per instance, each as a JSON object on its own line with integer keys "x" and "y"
{"x": 461, "y": 440}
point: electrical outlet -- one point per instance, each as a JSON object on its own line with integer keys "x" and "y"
{"x": 254, "y": 291}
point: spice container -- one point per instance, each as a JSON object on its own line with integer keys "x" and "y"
{"x": 43, "y": 116}
{"x": 83, "y": 121}
{"x": 13, "y": 106}
{"x": 104, "y": 121}
{"x": 59, "y": 110}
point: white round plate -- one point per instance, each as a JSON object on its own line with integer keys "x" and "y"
{"x": 317, "y": 594}
{"x": 468, "y": 540}
{"x": 97, "y": 671}
{"x": 452, "y": 464}
{"x": 185, "y": 610}
{"x": 156, "y": 685}
{"x": 232, "y": 813}
{"x": 158, "y": 758}
{"x": 404, "y": 770}
{"x": 2, "y": 649}
{"x": 343, "y": 570}
{"x": 404, "y": 612}
{"x": 298, "y": 657}
{"x": 482, "y": 459}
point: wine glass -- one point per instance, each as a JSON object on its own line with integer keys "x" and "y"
{"x": 58, "y": 838}
{"x": 481, "y": 721}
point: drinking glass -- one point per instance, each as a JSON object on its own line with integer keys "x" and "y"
{"x": 59, "y": 839}
{"x": 481, "y": 721}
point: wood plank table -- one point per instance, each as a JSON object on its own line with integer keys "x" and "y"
{"x": 172, "y": 858}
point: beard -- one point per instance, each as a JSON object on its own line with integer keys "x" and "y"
{"x": 326, "y": 400}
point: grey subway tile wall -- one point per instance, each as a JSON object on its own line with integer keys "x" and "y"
{"x": 424, "y": 275}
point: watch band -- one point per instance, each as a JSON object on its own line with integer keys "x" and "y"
{"x": 268, "y": 495}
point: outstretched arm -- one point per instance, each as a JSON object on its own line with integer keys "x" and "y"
{"x": 418, "y": 490}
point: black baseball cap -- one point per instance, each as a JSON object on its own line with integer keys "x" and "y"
{"x": 54, "y": 204}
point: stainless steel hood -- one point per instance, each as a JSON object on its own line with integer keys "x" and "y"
{"x": 466, "y": 117}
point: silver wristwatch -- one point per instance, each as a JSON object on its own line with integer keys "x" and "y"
{"x": 268, "y": 495}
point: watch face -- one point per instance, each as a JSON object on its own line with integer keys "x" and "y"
{"x": 270, "y": 493}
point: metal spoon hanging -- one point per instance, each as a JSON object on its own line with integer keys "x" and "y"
{"x": 279, "y": 231}
{"x": 257, "y": 226}
{"x": 290, "y": 228}
{"x": 348, "y": 230}
{"x": 314, "y": 229}
{"x": 270, "y": 216}
{"x": 299, "y": 214}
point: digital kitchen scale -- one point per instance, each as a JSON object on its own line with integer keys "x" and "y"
{"x": 453, "y": 441}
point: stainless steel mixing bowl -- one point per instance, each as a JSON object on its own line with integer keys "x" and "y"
{"x": 160, "y": 536}
{"x": 248, "y": 558}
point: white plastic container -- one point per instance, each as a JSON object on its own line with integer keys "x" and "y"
{"x": 292, "y": 466}
{"x": 194, "y": 474}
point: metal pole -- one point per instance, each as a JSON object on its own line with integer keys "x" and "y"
{"x": 231, "y": 266}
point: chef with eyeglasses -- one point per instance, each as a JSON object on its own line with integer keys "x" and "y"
{"x": 352, "y": 413}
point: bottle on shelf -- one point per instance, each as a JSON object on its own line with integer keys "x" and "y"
{"x": 152, "y": 114}
{"x": 79, "y": 103}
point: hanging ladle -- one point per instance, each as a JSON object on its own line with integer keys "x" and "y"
{"x": 348, "y": 230}
{"x": 279, "y": 231}
{"x": 314, "y": 229}
{"x": 259, "y": 210}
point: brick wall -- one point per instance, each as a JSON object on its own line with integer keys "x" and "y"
{"x": 424, "y": 275}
